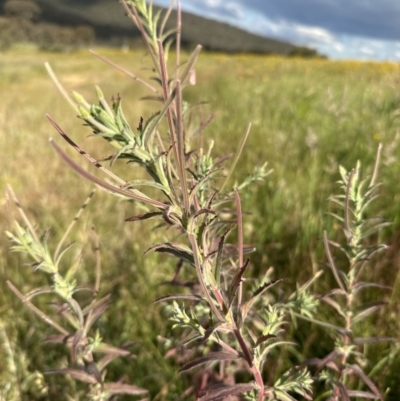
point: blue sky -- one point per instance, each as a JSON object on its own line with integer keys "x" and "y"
{"x": 341, "y": 29}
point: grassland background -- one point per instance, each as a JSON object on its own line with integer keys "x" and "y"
{"x": 308, "y": 117}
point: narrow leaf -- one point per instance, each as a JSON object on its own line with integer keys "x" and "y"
{"x": 121, "y": 388}
{"x": 218, "y": 262}
{"x": 94, "y": 305}
{"x": 109, "y": 349}
{"x": 152, "y": 128}
{"x": 134, "y": 194}
{"x": 324, "y": 362}
{"x": 190, "y": 297}
{"x": 57, "y": 339}
{"x": 218, "y": 327}
{"x": 143, "y": 183}
{"x": 361, "y": 285}
{"x": 117, "y": 67}
{"x": 190, "y": 63}
{"x": 106, "y": 359}
{"x": 263, "y": 339}
{"x": 37, "y": 311}
{"x": 199, "y": 271}
{"x": 371, "y": 340}
{"x": 323, "y": 324}
{"x": 343, "y": 391}
{"x": 83, "y": 153}
{"x": 212, "y": 356}
{"x": 39, "y": 291}
{"x": 377, "y": 161}
{"x": 76, "y": 342}
{"x": 347, "y": 210}
{"x": 359, "y": 372}
{"x": 60, "y": 251}
{"x": 334, "y": 304}
{"x": 369, "y": 311}
{"x": 237, "y": 156}
{"x": 176, "y": 249}
{"x": 145, "y": 216}
{"x": 332, "y": 264}
{"x": 245, "y": 308}
{"x": 363, "y": 394}
{"x": 236, "y": 282}
{"x": 95, "y": 314}
{"x": 225, "y": 391}
{"x": 80, "y": 375}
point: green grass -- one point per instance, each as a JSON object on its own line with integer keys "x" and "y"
{"x": 308, "y": 117}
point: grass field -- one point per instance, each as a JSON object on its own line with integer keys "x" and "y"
{"x": 309, "y": 117}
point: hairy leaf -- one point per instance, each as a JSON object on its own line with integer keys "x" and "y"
{"x": 77, "y": 374}
{"x": 359, "y": 372}
{"x": 263, "y": 339}
{"x": 190, "y": 297}
{"x": 176, "y": 249}
{"x": 370, "y": 340}
{"x": 212, "y": 356}
{"x": 236, "y": 281}
{"x": 121, "y": 388}
{"x": 226, "y": 391}
{"x": 371, "y": 308}
{"x": 362, "y": 394}
{"x": 245, "y": 308}
{"x": 109, "y": 349}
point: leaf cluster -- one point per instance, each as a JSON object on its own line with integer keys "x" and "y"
{"x": 77, "y": 331}
{"x": 343, "y": 366}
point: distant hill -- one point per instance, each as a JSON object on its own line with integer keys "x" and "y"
{"x": 110, "y": 24}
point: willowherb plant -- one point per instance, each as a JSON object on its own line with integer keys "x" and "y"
{"x": 234, "y": 332}
{"x": 228, "y": 326}
{"x": 77, "y": 331}
{"x": 343, "y": 368}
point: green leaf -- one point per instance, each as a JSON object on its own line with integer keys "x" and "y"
{"x": 189, "y": 297}
{"x": 361, "y": 285}
{"x": 371, "y": 307}
{"x": 324, "y": 324}
{"x": 96, "y": 312}
{"x": 39, "y": 291}
{"x": 121, "y": 388}
{"x": 176, "y": 249}
{"x": 210, "y": 357}
{"x": 190, "y": 63}
{"x": 372, "y": 340}
{"x": 218, "y": 261}
{"x": 332, "y": 265}
{"x": 360, "y": 373}
{"x": 151, "y": 128}
{"x": 226, "y": 391}
{"x": 223, "y": 327}
{"x": 145, "y": 216}
{"x": 80, "y": 375}
{"x": 263, "y": 339}
{"x": 134, "y": 194}
{"x": 109, "y": 349}
{"x": 362, "y": 394}
{"x": 245, "y": 308}
{"x": 236, "y": 281}
{"x": 62, "y": 253}
{"x": 108, "y": 358}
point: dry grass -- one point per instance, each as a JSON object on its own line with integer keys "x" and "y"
{"x": 308, "y": 116}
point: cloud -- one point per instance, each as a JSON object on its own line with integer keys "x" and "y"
{"x": 370, "y": 18}
{"x": 359, "y": 29}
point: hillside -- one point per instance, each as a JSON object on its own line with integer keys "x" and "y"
{"x": 111, "y": 25}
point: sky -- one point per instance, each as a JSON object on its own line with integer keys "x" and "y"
{"x": 340, "y": 29}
